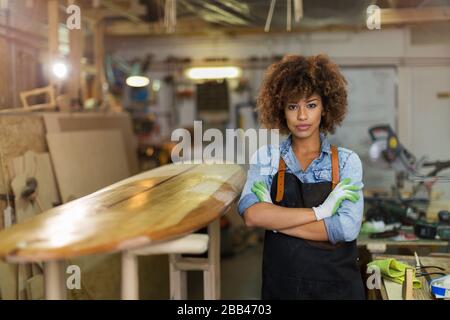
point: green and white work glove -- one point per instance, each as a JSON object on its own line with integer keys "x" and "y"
{"x": 262, "y": 193}
{"x": 343, "y": 191}
{"x": 260, "y": 190}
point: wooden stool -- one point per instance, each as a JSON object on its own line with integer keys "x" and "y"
{"x": 190, "y": 244}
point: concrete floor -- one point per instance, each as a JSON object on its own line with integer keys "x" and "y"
{"x": 240, "y": 276}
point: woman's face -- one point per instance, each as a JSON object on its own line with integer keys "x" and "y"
{"x": 303, "y": 116}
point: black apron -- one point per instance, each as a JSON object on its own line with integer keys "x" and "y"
{"x": 294, "y": 268}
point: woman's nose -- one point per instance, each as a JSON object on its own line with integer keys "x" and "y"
{"x": 301, "y": 114}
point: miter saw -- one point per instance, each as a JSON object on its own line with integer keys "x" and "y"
{"x": 387, "y": 152}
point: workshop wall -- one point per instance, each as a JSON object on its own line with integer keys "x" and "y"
{"x": 22, "y": 43}
{"x": 421, "y": 70}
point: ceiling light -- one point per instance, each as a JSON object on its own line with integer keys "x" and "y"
{"x": 213, "y": 73}
{"x": 60, "y": 70}
{"x": 138, "y": 81}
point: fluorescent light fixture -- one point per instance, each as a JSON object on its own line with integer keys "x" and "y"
{"x": 60, "y": 70}
{"x": 138, "y": 81}
{"x": 213, "y": 73}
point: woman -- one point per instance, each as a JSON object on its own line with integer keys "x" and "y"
{"x": 309, "y": 200}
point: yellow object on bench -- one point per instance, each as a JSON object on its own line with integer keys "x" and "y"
{"x": 394, "y": 270}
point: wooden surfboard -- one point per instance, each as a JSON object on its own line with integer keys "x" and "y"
{"x": 157, "y": 205}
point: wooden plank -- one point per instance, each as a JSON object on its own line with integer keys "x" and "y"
{"x": 49, "y": 91}
{"x": 393, "y": 289}
{"x": 24, "y": 210}
{"x": 37, "y": 166}
{"x": 35, "y": 287}
{"x": 24, "y": 273}
{"x": 407, "y": 288}
{"x": 75, "y": 56}
{"x": 99, "y": 52}
{"x": 56, "y": 122}
{"x": 53, "y": 34}
{"x": 178, "y": 280}
{"x": 128, "y": 215}
{"x": 17, "y": 135}
{"x": 6, "y": 94}
{"x": 211, "y": 277}
{"x": 87, "y": 161}
{"x": 3, "y": 206}
{"x": 8, "y": 283}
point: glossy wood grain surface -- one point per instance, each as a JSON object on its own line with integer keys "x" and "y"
{"x": 157, "y": 205}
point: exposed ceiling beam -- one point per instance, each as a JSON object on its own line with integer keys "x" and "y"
{"x": 234, "y": 14}
{"x": 413, "y": 15}
{"x": 120, "y": 10}
{"x": 185, "y": 26}
{"x": 100, "y": 9}
{"x": 127, "y": 29}
{"x": 197, "y": 26}
{"x": 100, "y": 13}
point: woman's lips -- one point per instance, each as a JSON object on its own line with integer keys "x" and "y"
{"x": 303, "y": 127}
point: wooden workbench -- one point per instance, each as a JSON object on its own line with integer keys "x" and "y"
{"x": 158, "y": 205}
{"x": 381, "y": 245}
{"x": 393, "y": 291}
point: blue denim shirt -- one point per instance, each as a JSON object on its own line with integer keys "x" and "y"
{"x": 342, "y": 226}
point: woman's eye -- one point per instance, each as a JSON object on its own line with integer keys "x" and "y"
{"x": 292, "y": 106}
{"x": 312, "y": 105}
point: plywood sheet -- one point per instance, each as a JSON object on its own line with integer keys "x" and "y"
{"x": 19, "y": 134}
{"x": 61, "y": 122}
{"x": 87, "y": 161}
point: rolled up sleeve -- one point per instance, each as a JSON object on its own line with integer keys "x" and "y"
{"x": 261, "y": 168}
{"x": 346, "y": 223}
{"x": 246, "y": 202}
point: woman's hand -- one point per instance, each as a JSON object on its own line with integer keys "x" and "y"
{"x": 343, "y": 191}
{"x": 260, "y": 190}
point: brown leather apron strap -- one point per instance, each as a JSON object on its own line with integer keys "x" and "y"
{"x": 334, "y": 166}
{"x": 280, "y": 184}
{"x": 334, "y": 173}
